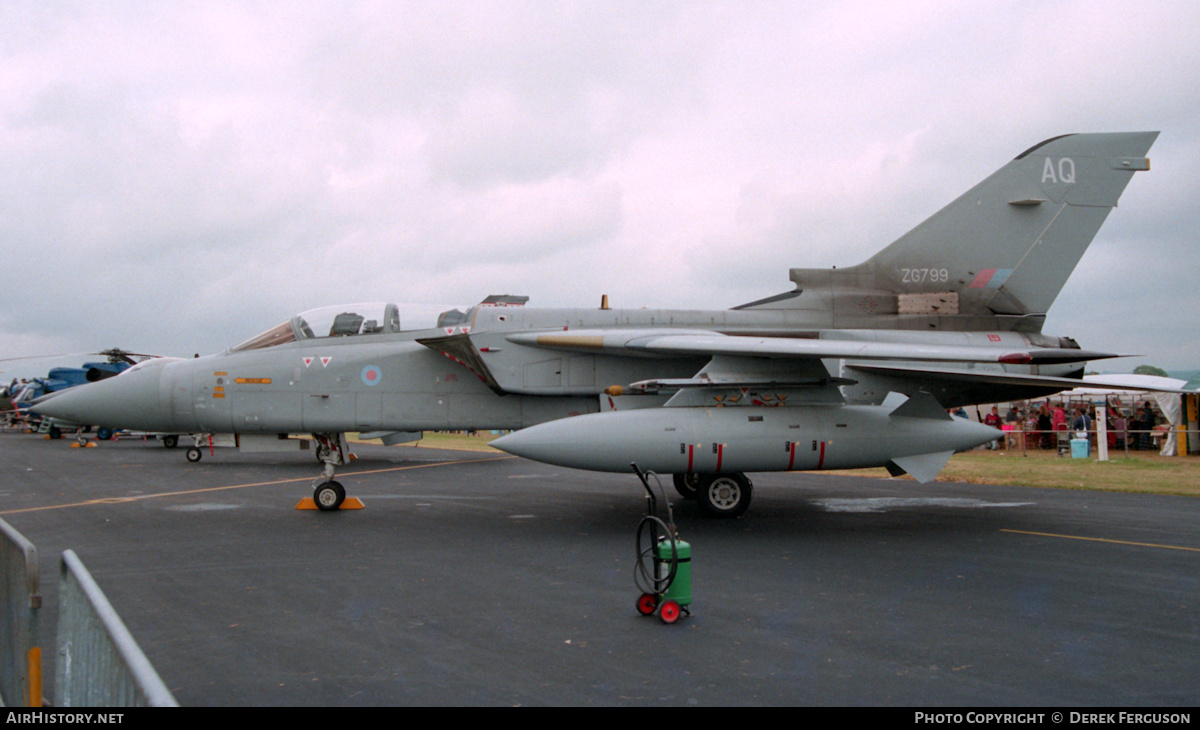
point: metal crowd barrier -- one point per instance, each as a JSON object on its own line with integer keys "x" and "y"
{"x": 20, "y": 627}
{"x": 98, "y": 664}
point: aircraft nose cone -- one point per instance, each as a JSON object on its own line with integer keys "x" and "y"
{"x": 130, "y": 400}
{"x": 547, "y": 445}
{"x": 513, "y": 443}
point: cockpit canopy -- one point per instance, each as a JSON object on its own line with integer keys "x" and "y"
{"x": 353, "y": 320}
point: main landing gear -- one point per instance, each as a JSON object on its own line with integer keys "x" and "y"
{"x": 719, "y": 495}
{"x": 331, "y": 451}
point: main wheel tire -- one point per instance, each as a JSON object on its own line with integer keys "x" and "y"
{"x": 104, "y": 434}
{"x": 726, "y": 495}
{"x": 170, "y": 441}
{"x": 687, "y": 483}
{"x": 329, "y": 496}
{"x": 193, "y": 454}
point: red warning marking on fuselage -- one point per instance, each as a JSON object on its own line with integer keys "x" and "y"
{"x": 691, "y": 453}
{"x": 468, "y": 367}
{"x": 791, "y": 455}
{"x": 720, "y": 455}
{"x": 821, "y": 460}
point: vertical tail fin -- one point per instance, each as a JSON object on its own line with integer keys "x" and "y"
{"x": 1005, "y": 247}
{"x": 1009, "y": 244}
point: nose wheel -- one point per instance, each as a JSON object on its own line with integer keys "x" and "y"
{"x": 329, "y": 495}
{"x": 194, "y": 453}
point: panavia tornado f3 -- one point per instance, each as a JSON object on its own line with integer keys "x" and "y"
{"x": 853, "y": 367}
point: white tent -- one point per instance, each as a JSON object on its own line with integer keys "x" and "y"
{"x": 1141, "y": 388}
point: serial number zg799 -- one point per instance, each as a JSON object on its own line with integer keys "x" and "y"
{"x": 921, "y": 276}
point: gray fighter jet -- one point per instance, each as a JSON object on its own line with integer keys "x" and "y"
{"x": 853, "y": 367}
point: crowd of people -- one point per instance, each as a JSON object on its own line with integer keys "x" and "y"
{"x": 1050, "y": 425}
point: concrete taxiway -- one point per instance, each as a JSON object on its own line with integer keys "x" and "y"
{"x": 475, "y": 578}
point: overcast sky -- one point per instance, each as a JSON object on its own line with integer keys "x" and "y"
{"x": 177, "y": 177}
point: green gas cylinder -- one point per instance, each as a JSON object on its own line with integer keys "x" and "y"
{"x": 680, "y": 589}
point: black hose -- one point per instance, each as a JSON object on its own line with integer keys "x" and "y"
{"x": 642, "y": 577}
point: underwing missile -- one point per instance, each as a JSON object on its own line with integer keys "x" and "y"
{"x": 918, "y": 437}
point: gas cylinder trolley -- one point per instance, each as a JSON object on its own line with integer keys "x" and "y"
{"x": 663, "y": 571}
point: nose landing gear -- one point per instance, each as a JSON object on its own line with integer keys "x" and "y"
{"x": 330, "y": 495}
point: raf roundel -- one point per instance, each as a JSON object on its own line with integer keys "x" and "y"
{"x": 371, "y": 375}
